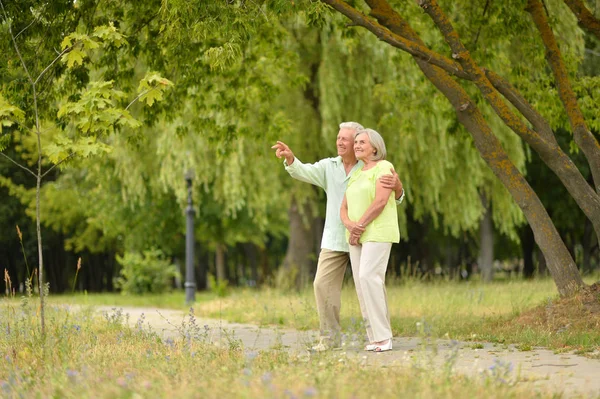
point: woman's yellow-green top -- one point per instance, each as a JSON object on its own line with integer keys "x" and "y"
{"x": 361, "y": 193}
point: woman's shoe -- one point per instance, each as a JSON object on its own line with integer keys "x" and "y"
{"x": 370, "y": 347}
{"x": 384, "y": 347}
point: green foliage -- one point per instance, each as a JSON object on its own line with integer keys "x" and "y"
{"x": 9, "y": 115}
{"x": 152, "y": 87}
{"x": 220, "y": 288}
{"x": 146, "y": 273}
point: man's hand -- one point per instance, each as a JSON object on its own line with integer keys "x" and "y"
{"x": 392, "y": 182}
{"x": 282, "y": 150}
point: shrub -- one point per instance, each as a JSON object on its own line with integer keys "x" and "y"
{"x": 145, "y": 273}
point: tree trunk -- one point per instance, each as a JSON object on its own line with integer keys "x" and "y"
{"x": 587, "y": 244}
{"x": 220, "y": 262}
{"x": 250, "y": 253}
{"x": 201, "y": 271}
{"x": 528, "y": 247}
{"x": 542, "y": 265}
{"x": 265, "y": 268}
{"x": 486, "y": 243}
{"x": 297, "y": 262}
{"x": 559, "y": 261}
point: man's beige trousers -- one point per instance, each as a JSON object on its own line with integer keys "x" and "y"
{"x": 328, "y": 291}
{"x": 369, "y": 264}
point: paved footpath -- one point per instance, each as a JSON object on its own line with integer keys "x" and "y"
{"x": 567, "y": 373}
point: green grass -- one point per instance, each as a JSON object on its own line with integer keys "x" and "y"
{"x": 462, "y": 311}
{"x": 86, "y": 356}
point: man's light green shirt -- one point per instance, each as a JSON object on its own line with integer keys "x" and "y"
{"x": 330, "y": 175}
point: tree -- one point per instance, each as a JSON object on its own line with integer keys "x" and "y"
{"x": 86, "y": 114}
{"x": 389, "y": 26}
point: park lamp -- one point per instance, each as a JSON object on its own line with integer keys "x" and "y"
{"x": 190, "y": 280}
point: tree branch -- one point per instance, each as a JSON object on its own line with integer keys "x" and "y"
{"x": 18, "y": 164}
{"x": 54, "y": 61}
{"x": 25, "y": 28}
{"x": 581, "y": 133}
{"x": 139, "y": 96}
{"x": 513, "y": 95}
{"x": 461, "y": 53}
{"x": 584, "y": 16}
{"x": 411, "y": 47}
{"x": 71, "y": 155}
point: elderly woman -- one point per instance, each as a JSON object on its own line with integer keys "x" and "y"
{"x": 369, "y": 214}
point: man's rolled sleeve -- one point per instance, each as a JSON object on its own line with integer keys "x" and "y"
{"x": 308, "y": 173}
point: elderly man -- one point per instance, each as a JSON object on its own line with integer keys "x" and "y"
{"x": 332, "y": 174}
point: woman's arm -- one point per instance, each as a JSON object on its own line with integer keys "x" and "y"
{"x": 382, "y": 195}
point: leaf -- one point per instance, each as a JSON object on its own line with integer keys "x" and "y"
{"x": 109, "y": 34}
{"x": 73, "y": 57}
{"x": 4, "y": 141}
{"x": 9, "y": 114}
{"x": 151, "y": 88}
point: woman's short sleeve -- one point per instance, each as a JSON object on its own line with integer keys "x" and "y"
{"x": 383, "y": 168}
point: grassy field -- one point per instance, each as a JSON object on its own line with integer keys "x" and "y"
{"x": 526, "y": 313}
{"x": 85, "y": 356}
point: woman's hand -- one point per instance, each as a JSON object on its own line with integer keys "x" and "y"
{"x": 355, "y": 228}
{"x": 354, "y": 239}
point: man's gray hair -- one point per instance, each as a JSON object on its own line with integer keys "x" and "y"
{"x": 377, "y": 143}
{"x": 351, "y": 125}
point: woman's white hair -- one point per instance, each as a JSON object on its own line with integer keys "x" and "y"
{"x": 376, "y": 141}
{"x": 351, "y": 125}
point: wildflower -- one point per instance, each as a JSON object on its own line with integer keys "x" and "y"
{"x": 247, "y": 371}
{"x": 251, "y": 355}
{"x": 289, "y": 393}
{"x": 121, "y": 381}
{"x": 169, "y": 342}
{"x": 72, "y": 374}
{"x": 266, "y": 378}
{"x": 310, "y": 391}
{"x": 77, "y": 327}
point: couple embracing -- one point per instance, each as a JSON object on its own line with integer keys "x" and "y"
{"x": 361, "y": 224}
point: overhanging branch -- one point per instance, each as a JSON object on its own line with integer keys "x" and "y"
{"x": 581, "y": 133}
{"x": 411, "y": 47}
{"x": 584, "y": 16}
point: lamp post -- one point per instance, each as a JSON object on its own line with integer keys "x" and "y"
{"x": 190, "y": 281}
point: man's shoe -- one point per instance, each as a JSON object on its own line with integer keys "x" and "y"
{"x": 326, "y": 344}
{"x": 320, "y": 347}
